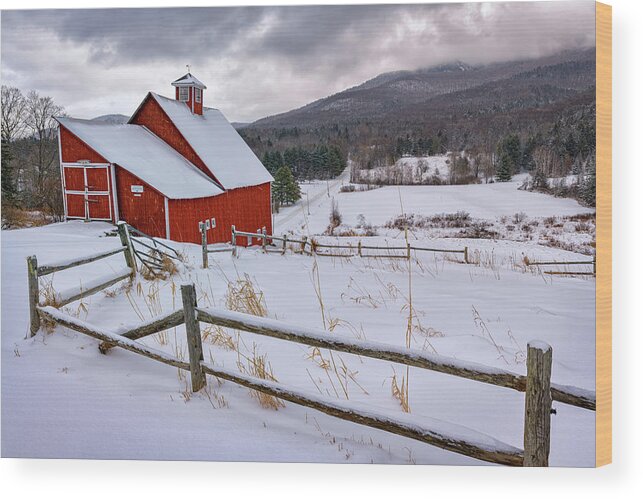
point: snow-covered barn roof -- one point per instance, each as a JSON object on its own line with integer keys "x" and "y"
{"x": 188, "y": 80}
{"x": 217, "y": 143}
{"x": 142, "y": 153}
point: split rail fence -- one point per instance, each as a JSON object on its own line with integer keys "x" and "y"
{"x": 270, "y": 244}
{"x": 35, "y": 271}
{"x": 563, "y": 264}
{"x": 134, "y": 244}
{"x": 537, "y": 386}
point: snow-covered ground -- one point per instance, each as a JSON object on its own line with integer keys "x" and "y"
{"x": 482, "y": 201}
{"x": 411, "y": 170}
{"x": 62, "y": 398}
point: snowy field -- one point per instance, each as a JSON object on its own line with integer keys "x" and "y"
{"x": 62, "y": 398}
{"x": 495, "y": 204}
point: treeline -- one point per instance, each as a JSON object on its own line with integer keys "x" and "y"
{"x": 568, "y": 148}
{"x": 564, "y": 149}
{"x": 421, "y": 146}
{"x": 557, "y": 148}
{"x": 30, "y": 165}
{"x": 320, "y": 162}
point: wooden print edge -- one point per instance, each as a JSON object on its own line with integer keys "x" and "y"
{"x": 603, "y": 234}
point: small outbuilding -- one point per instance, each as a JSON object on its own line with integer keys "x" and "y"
{"x": 175, "y": 165}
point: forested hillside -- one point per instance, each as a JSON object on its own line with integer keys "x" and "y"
{"x": 543, "y": 110}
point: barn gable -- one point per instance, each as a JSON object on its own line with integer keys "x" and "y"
{"x": 217, "y": 143}
{"x": 76, "y": 150}
{"x": 152, "y": 116}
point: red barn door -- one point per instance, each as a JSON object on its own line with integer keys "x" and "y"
{"x": 87, "y": 192}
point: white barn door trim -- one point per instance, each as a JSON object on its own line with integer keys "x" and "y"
{"x": 86, "y": 192}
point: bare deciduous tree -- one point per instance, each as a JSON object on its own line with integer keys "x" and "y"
{"x": 42, "y": 171}
{"x": 13, "y": 113}
{"x": 548, "y": 161}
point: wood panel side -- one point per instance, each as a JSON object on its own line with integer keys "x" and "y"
{"x": 603, "y": 234}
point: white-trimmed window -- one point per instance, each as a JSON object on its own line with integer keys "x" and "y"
{"x": 184, "y": 94}
{"x": 197, "y": 95}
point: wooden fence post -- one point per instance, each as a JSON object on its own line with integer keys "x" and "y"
{"x": 124, "y": 235}
{"x": 285, "y": 244}
{"x": 466, "y": 254}
{"x": 234, "y": 241}
{"x": 34, "y": 295}
{"x": 303, "y": 243}
{"x": 537, "y": 404}
{"x": 408, "y": 251}
{"x": 264, "y": 239}
{"x": 359, "y": 247}
{"x": 195, "y": 349}
{"x": 204, "y": 246}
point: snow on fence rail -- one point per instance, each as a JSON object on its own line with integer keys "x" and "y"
{"x": 34, "y": 272}
{"x": 539, "y": 392}
{"x": 314, "y": 246}
{"x": 565, "y": 272}
{"x": 410, "y": 357}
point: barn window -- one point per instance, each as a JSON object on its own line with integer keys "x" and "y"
{"x": 197, "y": 95}
{"x": 184, "y": 94}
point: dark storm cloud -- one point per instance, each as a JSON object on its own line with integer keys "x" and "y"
{"x": 262, "y": 60}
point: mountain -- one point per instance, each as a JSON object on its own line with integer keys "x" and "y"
{"x": 118, "y": 119}
{"x": 451, "y": 92}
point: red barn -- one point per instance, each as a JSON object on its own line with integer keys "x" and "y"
{"x": 174, "y": 165}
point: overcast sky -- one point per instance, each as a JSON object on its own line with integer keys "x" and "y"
{"x": 258, "y": 61}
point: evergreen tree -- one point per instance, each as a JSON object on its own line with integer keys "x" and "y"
{"x": 587, "y": 192}
{"x": 292, "y": 191}
{"x": 8, "y": 181}
{"x": 509, "y": 148}
{"x": 267, "y": 161}
{"x": 571, "y": 147}
{"x": 285, "y": 189}
{"x": 504, "y": 168}
{"x": 336, "y": 162}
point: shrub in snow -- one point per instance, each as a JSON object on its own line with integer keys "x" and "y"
{"x": 519, "y": 217}
{"x": 365, "y": 228}
{"x": 335, "y": 218}
{"x": 455, "y": 220}
{"x": 479, "y": 230}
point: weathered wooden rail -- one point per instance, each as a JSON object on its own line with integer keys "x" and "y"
{"x": 303, "y": 242}
{"x": 563, "y": 264}
{"x": 205, "y": 251}
{"x": 539, "y": 392}
{"x": 382, "y": 351}
{"x": 34, "y": 272}
{"x": 153, "y": 258}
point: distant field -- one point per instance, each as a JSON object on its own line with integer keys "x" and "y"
{"x": 484, "y": 201}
